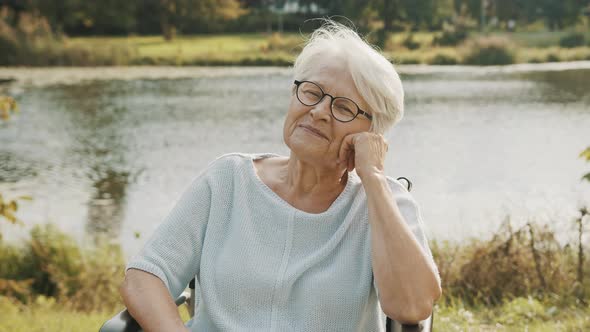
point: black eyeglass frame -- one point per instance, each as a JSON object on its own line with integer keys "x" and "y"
{"x": 332, "y": 98}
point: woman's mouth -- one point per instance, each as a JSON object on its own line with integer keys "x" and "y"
{"x": 313, "y": 131}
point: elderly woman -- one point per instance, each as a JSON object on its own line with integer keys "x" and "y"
{"x": 318, "y": 240}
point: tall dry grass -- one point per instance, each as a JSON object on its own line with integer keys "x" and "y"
{"x": 51, "y": 264}
{"x": 515, "y": 263}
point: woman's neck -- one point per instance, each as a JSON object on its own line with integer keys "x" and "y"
{"x": 303, "y": 179}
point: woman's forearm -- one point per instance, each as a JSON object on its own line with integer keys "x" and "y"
{"x": 149, "y": 302}
{"x": 406, "y": 279}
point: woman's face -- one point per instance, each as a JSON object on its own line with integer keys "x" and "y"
{"x": 332, "y": 75}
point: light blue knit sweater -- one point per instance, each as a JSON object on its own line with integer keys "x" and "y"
{"x": 263, "y": 265}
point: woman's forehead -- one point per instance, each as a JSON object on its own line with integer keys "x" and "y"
{"x": 333, "y": 75}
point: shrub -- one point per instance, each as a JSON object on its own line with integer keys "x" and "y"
{"x": 452, "y": 35}
{"x": 522, "y": 310}
{"x": 33, "y": 43}
{"x": 450, "y": 38}
{"x": 552, "y": 57}
{"x": 515, "y": 263}
{"x": 277, "y": 42}
{"x": 444, "y": 59}
{"x": 410, "y": 43}
{"x": 487, "y": 51}
{"x": 51, "y": 264}
{"x": 575, "y": 39}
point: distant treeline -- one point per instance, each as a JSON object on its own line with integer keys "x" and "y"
{"x": 167, "y": 17}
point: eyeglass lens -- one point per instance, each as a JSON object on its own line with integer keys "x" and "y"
{"x": 310, "y": 94}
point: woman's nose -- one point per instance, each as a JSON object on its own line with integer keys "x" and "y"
{"x": 322, "y": 109}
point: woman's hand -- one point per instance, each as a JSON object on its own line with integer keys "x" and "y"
{"x": 364, "y": 152}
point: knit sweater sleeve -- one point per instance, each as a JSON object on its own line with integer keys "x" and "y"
{"x": 173, "y": 252}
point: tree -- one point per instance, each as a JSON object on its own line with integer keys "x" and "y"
{"x": 176, "y": 13}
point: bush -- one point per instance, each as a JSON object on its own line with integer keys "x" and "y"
{"x": 444, "y": 59}
{"x": 410, "y": 43}
{"x": 487, "y": 51}
{"x": 32, "y": 43}
{"x": 571, "y": 40}
{"x": 522, "y": 310}
{"x": 552, "y": 57}
{"x": 450, "y": 38}
{"x": 277, "y": 42}
{"x": 515, "y": 263}
{"x": 51, "y": 264}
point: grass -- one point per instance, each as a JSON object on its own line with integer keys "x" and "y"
{"x": 521, "y": 314}
{"x": 262, "y": 49}
{"x": 44, "y": 314}
{"x": 519, "y": 279}
{"x": 236, "y": 49}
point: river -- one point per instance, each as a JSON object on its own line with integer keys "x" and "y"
{"x": 108, "y": 151}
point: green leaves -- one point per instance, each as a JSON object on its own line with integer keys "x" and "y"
{"x": 8, "y": 209}
{"x": 586, "y": 155}
{"x": 7, "y": 105}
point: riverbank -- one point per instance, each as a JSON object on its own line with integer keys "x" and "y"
{"x": 521, "y": 314}
{"x": 520, "y": 279}
{"x": 281, "y": 49}
{"x": 259, "y": 49}
{"x": 48, "y": 76}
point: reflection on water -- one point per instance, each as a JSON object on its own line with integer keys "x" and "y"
{"x": 106, "y": 208}
{"x": 111, "y": 157}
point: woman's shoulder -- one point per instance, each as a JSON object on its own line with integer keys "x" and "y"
{"x": 231, "y": 162}
{"x": 235, "y": 158}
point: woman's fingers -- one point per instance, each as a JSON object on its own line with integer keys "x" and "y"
{"x": 351, "y": 157}
{"x": 345, "y": 148}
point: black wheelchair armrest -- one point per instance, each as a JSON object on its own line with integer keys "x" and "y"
{"x": 422, "y": 326}
{"x": 124, "y": 322}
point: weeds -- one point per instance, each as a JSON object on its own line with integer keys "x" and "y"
{"x": 51, "y": 264}
{"x": 486, "y": 51}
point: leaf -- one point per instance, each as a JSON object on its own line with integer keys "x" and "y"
{"x": 586, "y": 177}
{"x": 25, "y": 198}
{"x": 586, "y": 154}
{"x": 13, "y": 205}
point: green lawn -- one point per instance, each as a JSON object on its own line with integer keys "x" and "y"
{"x": 518, "y": 315}
{"x": 47, "y": 316}
{"x": 262, "y": 49}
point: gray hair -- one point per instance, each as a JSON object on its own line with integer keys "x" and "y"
{"x": 374, "y": 76}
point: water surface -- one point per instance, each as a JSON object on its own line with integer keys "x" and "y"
{"x": 109, "y": 151}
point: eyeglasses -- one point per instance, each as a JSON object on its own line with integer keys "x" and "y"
{"x": 342, "y": 108}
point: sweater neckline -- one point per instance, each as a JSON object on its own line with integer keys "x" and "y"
{"x": 280, "y": 200}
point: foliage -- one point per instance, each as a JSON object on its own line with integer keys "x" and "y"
{"x": 528, "y": 261}
{"x": 488, "y": 51}
{"x": 452, "y": 34}
{"x": 8, "y": 209}
{"x": 445, "y": 58}
{"x": 7, "y": 105}
{"x": 410, "y": 43}
{"x": 575, "y": 39}
{"x": 53, "y": 265}
{"x": 32, "y": 42}
{"x": 586, "y": 155}
{"x": 279, "y": 42}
